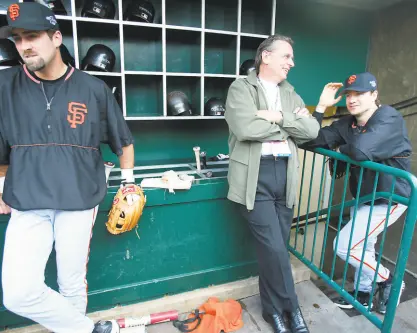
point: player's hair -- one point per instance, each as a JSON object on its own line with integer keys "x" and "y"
{"x": 51, "y": 33}
{"x": 377, "y": 101}
{"x": 267, "y": 45}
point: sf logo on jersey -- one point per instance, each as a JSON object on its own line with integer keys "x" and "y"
{"x": 76, "y": 114}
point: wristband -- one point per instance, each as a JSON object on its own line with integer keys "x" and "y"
{"x": 127, "y": 174}
{"x": 320, "y": 109}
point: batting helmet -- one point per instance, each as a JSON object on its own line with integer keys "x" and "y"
{"x": 67, "y": 58}
{"x": 8, "y": 53}
{"x": 247, "y": 66}
{"x": 140, "y": 11}
{"x": 117, "y": 95}
{"x": 178, "y": 104}
{"x": 99, "y": 57}
{"x": 55, "y": 5}
{"x": 104, "y": 9}
{"x": 214, "y": 107}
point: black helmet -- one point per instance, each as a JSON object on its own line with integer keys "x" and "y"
{"x": 178, "y": 104}
{"x": 246, "y": 67}
{"x": 55, "y": 5}
{"x": 117, "y": 95}
{"x": 104, "y": 9}
{"x": 140, "y": 11}
{"x": 67, "y": 58}
{"x": 8, "y": 53}
{"x": 214, "y": 107}
{"x": 99, "y": 57}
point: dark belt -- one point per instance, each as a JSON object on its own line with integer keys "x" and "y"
{"x": 272, "y": 157}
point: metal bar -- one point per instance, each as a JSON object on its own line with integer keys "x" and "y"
{"x": 318, "y": 209}
{"x": 299, "y": 202}
{"x": 402, "y": 257}
{"x": 382, "y": 244}
{"x": 409, "y": 177}
{"x": 329, "y": 209}
{"x": 363, "y": 199}
{"x": 345, "y": 184}
{"x": 353, "y": 227}
{"x": 309, "y": 200}
{"x": 366, "y": 234}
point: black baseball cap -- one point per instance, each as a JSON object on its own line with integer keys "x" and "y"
{"x": 360, "y": 82}
{"x": 29, "y": 16}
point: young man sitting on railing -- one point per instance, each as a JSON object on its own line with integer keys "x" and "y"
{"x": 372, "y": 132}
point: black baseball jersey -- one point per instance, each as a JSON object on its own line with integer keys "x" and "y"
{"x": 50, "y": 135}
{"x": 382, "y": 139}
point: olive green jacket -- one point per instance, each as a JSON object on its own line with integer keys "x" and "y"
{"x": 247, "y": 132}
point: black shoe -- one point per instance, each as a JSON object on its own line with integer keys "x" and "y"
{"x": 297, "y": 322}
{"x": 384, "y": 289}
{"x": 277, "y": 321}
{"x": 108, "y": 326}
{"x": 362, "y": 298}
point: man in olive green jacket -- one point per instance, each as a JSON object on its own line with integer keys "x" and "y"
{"x": 267, "y": 119}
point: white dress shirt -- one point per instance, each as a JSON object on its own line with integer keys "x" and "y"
{"x": 271, "y": 90}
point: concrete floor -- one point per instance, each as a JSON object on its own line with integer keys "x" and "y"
{"x": 319, "y": 311}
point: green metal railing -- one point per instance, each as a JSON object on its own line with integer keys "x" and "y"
{"x": 320, "y": 219}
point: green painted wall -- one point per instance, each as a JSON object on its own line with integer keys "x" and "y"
{"x": 173, "y": 141}
{"x": 330, "y": 43}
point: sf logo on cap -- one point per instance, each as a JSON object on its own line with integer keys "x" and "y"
{"x": 352, "y": 79}
{"x": 14, "y": 11}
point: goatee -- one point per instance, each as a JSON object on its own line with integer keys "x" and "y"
{"x": 35, "y": 66}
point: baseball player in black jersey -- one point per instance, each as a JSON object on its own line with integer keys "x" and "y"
{"x": 372, "y": 132}
{"x": 53, "y": 118}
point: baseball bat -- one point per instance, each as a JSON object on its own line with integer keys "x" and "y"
{"x": 197, "y": 157}
{"x": 153, "y": 318}
{"x": 108, "y": 167}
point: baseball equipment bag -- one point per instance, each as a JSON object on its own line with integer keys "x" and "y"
{"x": 213, "y": 316}
{"x": 125, "y": 215}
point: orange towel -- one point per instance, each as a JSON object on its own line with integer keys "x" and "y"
{"x": 219, "y": 317}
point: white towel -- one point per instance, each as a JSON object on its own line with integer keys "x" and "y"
{"x": 169, "y": 180}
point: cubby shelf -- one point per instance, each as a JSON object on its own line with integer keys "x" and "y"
{"x": 195, "y": 46}
{"x": 174, "y": 118}
{"x": 103, "y": 73}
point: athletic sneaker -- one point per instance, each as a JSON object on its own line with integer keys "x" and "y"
{"x": 362, "y": 298}
{"x": 106, "y": 326}
{"x": 384, "y": 289}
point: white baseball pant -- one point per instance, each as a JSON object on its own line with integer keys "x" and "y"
{"x": 377, "y": 224}
{"x": 30, "y": 236}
